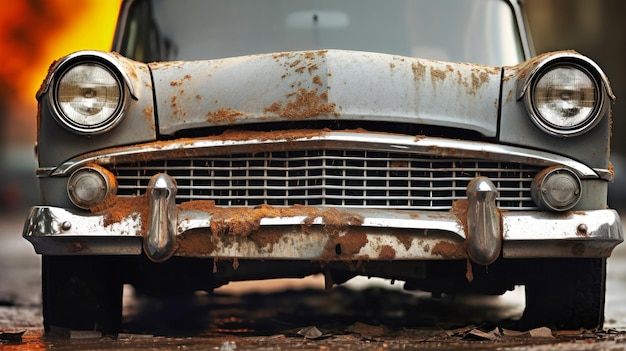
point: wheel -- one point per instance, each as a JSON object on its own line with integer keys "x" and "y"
{"x": 565, "y": 294}
{"x": 81, "y": 293}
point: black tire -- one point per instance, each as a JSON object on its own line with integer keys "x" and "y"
{"x": 565, "y": 294}
{"x": 81, "y": 293}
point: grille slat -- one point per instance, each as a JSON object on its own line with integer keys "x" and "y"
{"x": 331, "y": 178}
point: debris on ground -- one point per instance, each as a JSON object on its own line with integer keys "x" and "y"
{"x": 310, "y": 333}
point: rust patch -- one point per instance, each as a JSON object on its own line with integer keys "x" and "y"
{"x": 478, "y": 79}
{"x": 244, "y": 221}
{"x": 195, "y": 242}
{"x": 459, "y": 210}
{"x": 148, "y": 113}
{"x": 304, "y": 61}
{"x": 406, "y": 240}
{"x": 176, "y": 109}
{"x": 345, "y": 247}
{"x": 289, "y": 135}
{"x": 167, "y": 64}
{"x": 437, "y": 75}
{"x": 265, "y": 238}
{"x": 419, "y": 71}
{"x": 418, "y": 138}
{"x": 227, "y": 115}
{"x": 387, "y": 253}
{"x": 449, "y": 250}
{"x": 509, "y": 96}
{"x": 317, "y": 80}
{"x": 176, "y": 83}
{"x": 116, "y": 208}
{"x": 306, "y": 104}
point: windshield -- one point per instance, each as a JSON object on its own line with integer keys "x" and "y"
{"x": 478, "y": 31}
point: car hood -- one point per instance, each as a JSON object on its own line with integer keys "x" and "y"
{"x": 325, "y": 85}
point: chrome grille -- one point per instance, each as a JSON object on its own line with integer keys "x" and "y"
{"x": 331, "y": 178}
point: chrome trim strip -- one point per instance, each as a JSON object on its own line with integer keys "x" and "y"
{"x": 355, "y": 140}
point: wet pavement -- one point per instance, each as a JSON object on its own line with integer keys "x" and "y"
{"x": 296, "y": 314}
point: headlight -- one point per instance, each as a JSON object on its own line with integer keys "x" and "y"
{"x": 88, "y": 97}
{"x": 565, "y": 98}
{"x": 90, "y": 186}
{"x": 556, "y": 188}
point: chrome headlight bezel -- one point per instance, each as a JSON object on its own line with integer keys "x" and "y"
{"x": 91, "y": 185}
{"x": 556, "y": 189}
{"x": 89, "y": 61}
{"x": 560, "y": 125}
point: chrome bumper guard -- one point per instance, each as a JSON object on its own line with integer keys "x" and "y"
{"x": 475, "y": 229}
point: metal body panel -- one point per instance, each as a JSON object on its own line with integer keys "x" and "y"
{"x": 326, "y": 85}
{"x": 517, "y": 128}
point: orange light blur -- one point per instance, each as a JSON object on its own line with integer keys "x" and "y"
{"x": 35, "y": 33}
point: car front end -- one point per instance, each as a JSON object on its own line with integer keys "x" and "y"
{"x": 449, "y": 176}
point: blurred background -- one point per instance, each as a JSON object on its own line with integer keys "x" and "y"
{"x": 34, "y": 33}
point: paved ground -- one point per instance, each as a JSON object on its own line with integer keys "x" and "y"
{"x": 298, "y": 314}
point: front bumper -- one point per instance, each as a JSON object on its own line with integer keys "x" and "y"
{"x": 474, "y": 229}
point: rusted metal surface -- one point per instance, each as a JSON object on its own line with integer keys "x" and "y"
{"x": 326, "y": 235}
{"x": 333, "y": 84}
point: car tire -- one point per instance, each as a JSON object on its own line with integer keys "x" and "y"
{"x": 565, "y": 294}
{"x": 81, "y": 293}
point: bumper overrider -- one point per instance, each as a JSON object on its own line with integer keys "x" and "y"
{"x": 474, "y": 228}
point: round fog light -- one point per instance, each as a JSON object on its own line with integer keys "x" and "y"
{"x": 556, "y": 189}
{"x": 90, "y": 185}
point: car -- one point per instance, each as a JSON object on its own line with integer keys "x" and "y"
{"x": 412, "y": 140}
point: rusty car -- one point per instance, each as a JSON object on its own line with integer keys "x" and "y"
{"x": 412, "y": 140}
